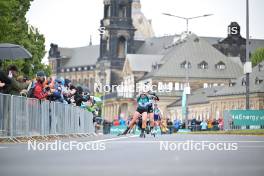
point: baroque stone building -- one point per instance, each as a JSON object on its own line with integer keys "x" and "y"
{"x": 212, "y": 102}
{"x": 129, "y": 53}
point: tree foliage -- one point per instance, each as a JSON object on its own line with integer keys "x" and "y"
{"x": 15, "y": 29}
{"x": 257, "y": 56}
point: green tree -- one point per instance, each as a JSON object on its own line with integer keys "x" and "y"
{"x": 15, "y": 29}
{"x": 257, "y": 56}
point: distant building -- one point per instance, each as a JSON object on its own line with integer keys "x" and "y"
{"x": 129, "y": 53}
{"x": 212, "y": 102}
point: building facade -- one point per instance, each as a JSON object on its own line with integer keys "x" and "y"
{"x": 129, "y": 53}
{"x": 212, "y": 102}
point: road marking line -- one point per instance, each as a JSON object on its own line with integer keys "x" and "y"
{"x": 113, "y": 139}
{"x": 251, "y": 146}
{"x": 151, "y": 141}
{"x": 3, "y": 147}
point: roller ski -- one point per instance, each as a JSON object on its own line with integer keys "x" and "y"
{"x": 142, "y": 134}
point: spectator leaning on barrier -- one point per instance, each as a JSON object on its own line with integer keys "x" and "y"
{"x": 15, "y": 87}
{"x": 78, "y": 96}
{"x": 57, "y": 94}
{"x": 4, "y": 82}
{"x": 39, "y": 91}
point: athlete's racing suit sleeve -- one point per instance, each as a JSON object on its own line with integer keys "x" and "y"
{"x": 153, "y": 96}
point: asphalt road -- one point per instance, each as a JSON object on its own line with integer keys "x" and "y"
{"x": 134, "y": 156}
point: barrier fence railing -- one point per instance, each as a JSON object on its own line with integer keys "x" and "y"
{"x": 21, "y": 116}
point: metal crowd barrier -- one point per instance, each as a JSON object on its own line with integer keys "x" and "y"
{"x": 21, "y": 116}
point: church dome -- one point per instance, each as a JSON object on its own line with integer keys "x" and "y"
{"x": 141, "y": 23}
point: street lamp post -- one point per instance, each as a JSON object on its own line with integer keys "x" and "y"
{"x": 187, "y": 89}
{"x": 187, "y": 19}
{"x": 248, "y": 66}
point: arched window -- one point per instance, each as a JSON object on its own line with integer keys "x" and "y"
{"x": 122, "y": 11}
{"x": 185, "y": 65}
{"x": 261, "y": 67}
{"x": 203, "y": 65}
{"x": 258, "y": 81}
{"x": 220, "y": 65}
{"x": 244, "y": 82}
{"x": 107, "y": 11}
{"x": 121, "y": 47}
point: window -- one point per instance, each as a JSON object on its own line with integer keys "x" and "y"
{"x": 231, "y": 84}
{"x": 122, "y": 11}
{"x": 108, "y": 45}
{"x": 68, "y": 70}
{"x": 261, "y": 67}
{"x": 243, "y": 82}
{"x": 258, "y": 81}
{"x": 79, "y": 69}
{"x": 220, "y": 65}
{"x": 181, "y": 86}
{"x": 205, "y": 85}
{"x": 215, "y": 84}
{"x": 73, "y": 69}
{"x": 160, "y": 87}
{"x": 185, "y": 65}
{"x": 107, "y": 11}
{"x": 85, "y": 68}
{"x": 177, "y": 86}
{"x": 122, "y": 47}
{"x": 203, "y": 65}
{"x": 169, "y": 86}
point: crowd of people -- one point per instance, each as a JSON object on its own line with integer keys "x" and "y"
{"x": 46, "y": 88}
{"x": 167, "y": 126}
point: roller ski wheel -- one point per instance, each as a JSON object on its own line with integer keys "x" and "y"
{"x": 153, "y": 134}
{"x": 121, "y": 134}
{"x": 142, "y": 135}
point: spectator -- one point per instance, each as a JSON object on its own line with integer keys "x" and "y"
{"x": 163, "y": 126}
{"x": 215, "y": 124}
{"x": 203, "y": 125}
{"x": 170, "y": 125}
{"x": 5, "y": 81}
{"x": 176, "y": 125}
{"x": 210, "y": 124}
{"x": 122, "y": 122}
{"x": 78, "y": 96}
{"x": 15, "y": 87}
{"x": 221, "y": 123}
{"x": 193, "y": 124}
{"x": 2, "y": 84}
{"x": 39, "y": 91}
{"x": 116, "y": 122}
{"x": 57, "y": 94}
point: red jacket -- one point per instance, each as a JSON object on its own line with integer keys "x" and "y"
{"x": 38, "y": 91}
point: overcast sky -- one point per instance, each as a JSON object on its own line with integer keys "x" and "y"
{"x": 69, "y": 23}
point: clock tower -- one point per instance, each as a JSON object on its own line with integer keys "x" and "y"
{"x": 116, "y": 37}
